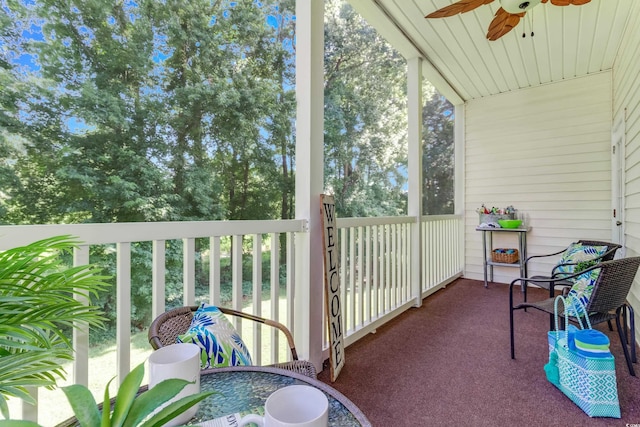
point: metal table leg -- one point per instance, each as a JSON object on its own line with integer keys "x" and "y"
{"x": 484, "y": 257}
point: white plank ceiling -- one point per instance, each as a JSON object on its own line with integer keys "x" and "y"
{"x": 568, "y": 42}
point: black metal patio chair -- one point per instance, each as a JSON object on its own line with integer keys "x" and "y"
{"x": 562, "y": 279}
{"x": 607, "y": 302}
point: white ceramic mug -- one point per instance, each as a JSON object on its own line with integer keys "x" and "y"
{"x": 177, "y": 361}
{"x": 293, "y": 406}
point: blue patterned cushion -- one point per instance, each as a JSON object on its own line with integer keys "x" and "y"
{"x": 218, "y": 340}
{"x": 577, "y": 252}
{"x": 581, "y": 291}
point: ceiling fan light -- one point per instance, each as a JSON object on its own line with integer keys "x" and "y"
{"x": 518, "y": 6}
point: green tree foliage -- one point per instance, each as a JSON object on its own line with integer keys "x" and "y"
{"x": 365, "y": 121}
{"x": 437, "y": 154}
{"x": 127, "y": 111}
{"x": 145, "y": 111}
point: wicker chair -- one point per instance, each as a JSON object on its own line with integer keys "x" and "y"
{"x": 607, "y": 302}
{"x": 165, "y": 329}
{"x": 561, "y": 279}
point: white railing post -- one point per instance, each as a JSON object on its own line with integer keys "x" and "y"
{"x": 158, "y": 270}
{"x": 236, "y": 277}
{"x": 257, "y": 296}
{"x": 291, "y": 281}
{"x": 189, "y": 271}
{"x": 214, "y": 270}
{"x": 30, "y": 412}
{"x": 123, "y": 304}
{"x": 81, "y": 331}
{"x": 275, "y": 293}
{"x": 414, "y": 134}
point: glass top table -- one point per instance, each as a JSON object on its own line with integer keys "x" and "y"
{"x": 242, "y": 388}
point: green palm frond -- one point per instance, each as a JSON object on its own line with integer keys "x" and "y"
{"x": 40, "y": 298}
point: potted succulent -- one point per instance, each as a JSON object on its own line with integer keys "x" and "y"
{"x": 130, "y": 408}
{"x": 38, "y": 301}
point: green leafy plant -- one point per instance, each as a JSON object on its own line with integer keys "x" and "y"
{"x": 130, "y": 409}
{"x": 40, "y": 302}
{"x": 583, "y": 265}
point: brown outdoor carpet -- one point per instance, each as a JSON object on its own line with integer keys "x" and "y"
{"x": 447, "y": 363}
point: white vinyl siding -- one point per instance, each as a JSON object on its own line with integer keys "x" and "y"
{"x": 545, "y": 151}
{"x": 626, "y": 94}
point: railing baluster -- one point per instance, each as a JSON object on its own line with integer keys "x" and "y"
{"x": 123, "y": 304}
{"x": 214, "y": 270}
{"x": 236, "y": 277}
{"x": 359, "y": 291}
{"x": 375, "y": 286}
{"x": 81, "y": 331}
{"x": 351, "y": 295}
{"x": 291, "y": 262}
{"x": 388, "y": 254}
{"x": 344, "y": 239}
{"x": 275, "y": 294}
{"x": 405, "y": 263}
{"x": 158, "y": 271}
{"x": 189, "y": 273}
{"x": 367, "y": 290}
{"x": 256, "y": 354}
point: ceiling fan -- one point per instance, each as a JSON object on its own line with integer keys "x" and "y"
{"x": 506, "y": 18}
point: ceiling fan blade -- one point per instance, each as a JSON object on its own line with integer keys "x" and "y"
{"x": 461, "y": 6}
{"x": 569, "y": 2}
{"x": 502, "y": 23}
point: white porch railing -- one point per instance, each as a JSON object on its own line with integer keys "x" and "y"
{"x": 442, "y": 251}
{"x": 122, "y": 235}
{"x": 375, "y": 273}
{"x": 376, "y": 270}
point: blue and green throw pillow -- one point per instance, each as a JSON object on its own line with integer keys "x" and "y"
{"x": 219, "y": 342}
{"x": 576, "y": 253}
{"x": 581, "y": 291}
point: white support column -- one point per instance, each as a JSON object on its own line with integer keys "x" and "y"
{"x": 459, "y": 174}
{"x": 309, "y": 294}
{"x": 414, "y": 133}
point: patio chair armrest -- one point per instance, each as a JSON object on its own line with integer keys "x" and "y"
{"x": 552, "y": 279}
{"x": 278, "y": 325}
{"x": 543, "y": 256}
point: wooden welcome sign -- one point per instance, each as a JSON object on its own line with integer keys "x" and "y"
{"x": 332, "y": 284}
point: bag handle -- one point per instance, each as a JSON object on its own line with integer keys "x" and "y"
{"x": 573, "y": 300}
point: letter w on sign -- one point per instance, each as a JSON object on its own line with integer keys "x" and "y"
{"x": 332, "y": 284}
